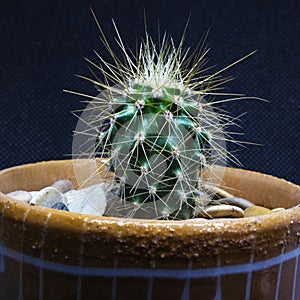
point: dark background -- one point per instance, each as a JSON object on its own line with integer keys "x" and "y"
{"x": 43, "y": 44}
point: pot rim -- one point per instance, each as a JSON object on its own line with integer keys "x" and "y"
{"x": 234, "y": 226}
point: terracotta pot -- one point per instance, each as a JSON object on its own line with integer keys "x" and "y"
{"x": 49, "y": 254}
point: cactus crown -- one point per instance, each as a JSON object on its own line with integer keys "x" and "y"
{"x": 158, "y": 132}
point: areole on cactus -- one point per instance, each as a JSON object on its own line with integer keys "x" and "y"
{"x": 154, "y": 124}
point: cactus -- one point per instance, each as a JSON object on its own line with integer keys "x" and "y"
{"x": 160, "y": 136}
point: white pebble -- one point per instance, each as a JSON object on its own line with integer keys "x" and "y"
{"x": 22, "y": 196}
{"x": 33, "y": 193}
{"x": 224, "y": 211}
{"x": 47, "y": 197}
{"x": 71, "y": 196}
{"x": 90, "y": 200}
{"x": 63, "y": 185}
{"x": 277, "y": 209}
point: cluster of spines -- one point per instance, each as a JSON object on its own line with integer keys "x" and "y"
{"x": 156, "y": 135}
{"x": 157, "y": 131}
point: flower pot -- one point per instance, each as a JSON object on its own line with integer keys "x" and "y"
{"x": 50, "y": 254}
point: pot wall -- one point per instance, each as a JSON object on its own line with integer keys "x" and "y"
{"x": 49, "y": 254}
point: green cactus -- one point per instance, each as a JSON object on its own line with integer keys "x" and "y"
{"x": 157, "y": 144}
{"x": 157, "y": 130}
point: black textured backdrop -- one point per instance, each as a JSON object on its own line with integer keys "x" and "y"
{"x": 43, "y": 44}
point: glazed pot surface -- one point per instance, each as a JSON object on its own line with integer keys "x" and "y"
{"x": 49, "y": 254}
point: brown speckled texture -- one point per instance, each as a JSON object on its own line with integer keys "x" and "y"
{"x": 99, "y": 242}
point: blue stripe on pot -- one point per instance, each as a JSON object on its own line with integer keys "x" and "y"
{"x": 187, "y": 275}
{"x": 145, "y": 273}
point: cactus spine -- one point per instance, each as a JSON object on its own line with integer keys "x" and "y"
{"x": 157, "y": 130}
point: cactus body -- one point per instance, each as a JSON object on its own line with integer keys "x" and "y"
{"x": 158, "y": 142}
{"x": 157, "y": 131}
